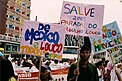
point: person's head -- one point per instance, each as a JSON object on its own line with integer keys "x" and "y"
{"x": 99, "y": 65}
{"x": 119, "y": 65}
{"x": 56, "y": 61}
{"x": 47, "y": 63}
{"x": 106, "y": 62}
{"x": 85, "y": 53}
{"x": 103, "y": 59}
{"x": 7, "y": 70}
{"x": 109, "y": 66}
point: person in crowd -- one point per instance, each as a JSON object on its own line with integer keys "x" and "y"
{"x": 14, "y": 61}
{"x": 107, "y": 72}
{"x": 47, "y": 66}
{"x": 37, "y": 63}
{"x": 103, "y": 60}
{"x": 72, "y": 60}
{"x": 100, "y": 68}
{"x": 55, "y": 65}
{"x": 44, "y": 74}
{"x": 85, "y": 71}
{"x": 7, "y": 71}
{"x": 26, "y": 64}
{"x": 106, "y": 62}
{"x": 1, "y": 56}
{"x": 116, "y": 74}
{"x": 120, "y": 60}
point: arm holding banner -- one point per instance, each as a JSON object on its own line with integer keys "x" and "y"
{"x": 72, "y": 73}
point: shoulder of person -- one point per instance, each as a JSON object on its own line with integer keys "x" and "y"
{"x": 74, "y": 64}
{"x": 92, "y": 65}
{"x": 12, "y": 79}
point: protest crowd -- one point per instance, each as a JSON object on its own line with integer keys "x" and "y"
{"x": 105, "y": 69}
{"x": 41, "y": 48}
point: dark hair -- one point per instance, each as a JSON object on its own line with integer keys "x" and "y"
{"x": 7, "y": 70}
{"x": 103, "y": 59}
{"x": 84, "y": 48}
{"x": 56, "y": 61}
{"x": 98, "y": 64}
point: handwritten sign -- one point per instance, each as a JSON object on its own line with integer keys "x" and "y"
{"x": 111, "y": 38}
{"x": 41, "y": 39}
{"x": 115, "y": 53}
{"x": 82, "y": 19}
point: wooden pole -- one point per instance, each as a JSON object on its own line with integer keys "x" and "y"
{"x": 40, "y": 61}
{"x": 36, "y": 18}
{"x": 40, "y": 64}
{"x": 110, "y": 57}
{"x": 78, "y": 58}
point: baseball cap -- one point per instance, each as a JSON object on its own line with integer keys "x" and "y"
{"x": 1, "y": 54}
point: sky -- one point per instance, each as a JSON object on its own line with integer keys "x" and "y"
{"x": 50, "y": 10}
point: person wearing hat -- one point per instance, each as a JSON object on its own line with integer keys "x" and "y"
{"x": 7, "y": 71}
{"x": 107, "y": 73}
{"x": 85, "y": 71}
{"x": 1, "y": 55}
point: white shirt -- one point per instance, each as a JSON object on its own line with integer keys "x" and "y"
{"x": 114, "y": 76}
{"x": 99, "y": 74}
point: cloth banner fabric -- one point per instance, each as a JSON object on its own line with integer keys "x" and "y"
{"x": 82, "y": 19}
{"x": 42, "y": 39}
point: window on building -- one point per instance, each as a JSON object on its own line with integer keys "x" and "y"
{"x": 11, "y": 7}
{"x": 10, "y": 35}
{"x": 11, "y": 17}
{"x": 7, "y": 16}
{"x": 14, "y": 48}
{"x": 7, "y": 6}
{"x": 18, "y": 2}
{"x": 21, "y": 21}
{"x": 21, "y": 29}
{"x": 23, "y": 4}
{"x": 28, "y": 7}
{"x": 6, "y": 25}
{"x": 11, "y": 26}
{"x": 17, "y": 28}
{"x": 8, "y": 47}
{"x": 23, "y": 13}
{"x": 18, "y": 10}
{"x": 6, "y": 34}
{"x": 16, "y": 36}
{"x": 17, "y": 19}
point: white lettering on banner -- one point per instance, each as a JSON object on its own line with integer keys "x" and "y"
{"x": 24, "y": 75}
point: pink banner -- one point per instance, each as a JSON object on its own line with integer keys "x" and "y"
{"x": 82, "y": 19}
{"x": 42, "y": 39}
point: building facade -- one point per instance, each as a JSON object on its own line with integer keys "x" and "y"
{"x": 15, "y": 12}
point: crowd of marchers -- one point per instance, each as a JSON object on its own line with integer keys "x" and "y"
{"x": 79, "y": 69}
{"x": 103, "y": 70}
